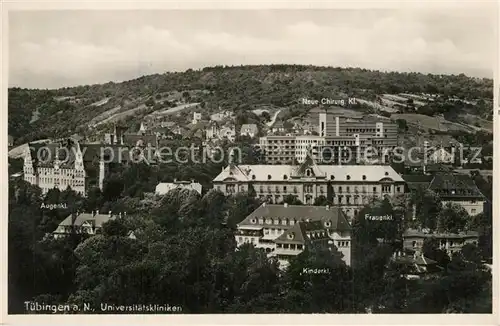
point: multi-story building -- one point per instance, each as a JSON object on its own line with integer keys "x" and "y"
{"x": 55, "y": 166}
{"x": 450, "y": 242}
{"x": 278, "y": 149}
{"x": 164, "y": 187}
{"x": 340, "y": 140}
{"x": 284, "y": 231}
{"x": 458, "y": 189}
{"x": 196, "y": 117}
{"x": 82, "y": 223}
{"x": 74, "y": 165}
{"x": 348, "y": 186}
{"x": 249, "y": 130}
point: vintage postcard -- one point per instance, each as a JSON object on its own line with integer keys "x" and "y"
{"x": 250, "y": 163}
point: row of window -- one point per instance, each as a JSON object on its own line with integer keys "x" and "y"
{"x": 342, "y": 244}
{"x": 289, "y": 246}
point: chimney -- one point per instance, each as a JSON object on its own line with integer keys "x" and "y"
{"x": 175, "y": 180}
{"x": 327, "y": 207}
{"x": 109, "y": 213}
{"x": 97, "y": 212}
{"x": 264, "y": 204}
{"x": 285, "y": 204}
{"x": 124, "y": 213}
{"x": 93, "y": 213}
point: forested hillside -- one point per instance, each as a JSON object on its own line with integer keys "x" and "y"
{"x": 36, "y": 114}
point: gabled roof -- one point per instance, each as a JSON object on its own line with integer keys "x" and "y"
{"x": 278, "y": 124}
{"x": 139, "y": 140}
{"x": 95, "y": 220}
{"x": 454, "y": 185}
{"x": 367, "y": 173}
{"x": 109, "y": 153}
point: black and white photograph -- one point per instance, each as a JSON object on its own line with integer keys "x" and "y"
{"x": 250, "y": 161}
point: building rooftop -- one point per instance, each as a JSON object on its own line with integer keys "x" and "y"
{"x": 366, "y": 173}
{"x": 303, "y": 232}
{"x": 454, "y": 185}
{"x": 96, "y": 220}
{"x": 332, "y": 218}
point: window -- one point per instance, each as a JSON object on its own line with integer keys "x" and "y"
{"x": 332, "y": 177}
{"x": 374, "y": 189}
{"x": 268, "y": 177}
{"x": 240, "y": 239}
{"x": 398, "y": 189}
{"x": 473, "y": 211}
{"x": 414, "y": 244}
{"x": 284, "y": 188}
{"x": 340, "y": 189}
{"x": 348, "y": 189}
{"x": 348, "y": 177}
{"x": 299, "y": 247}
{"x": 386, "y": 188}
{"x": 253, "y": 176}
{"x": 308, "y": 172}
{"x": 364, "y": 177}
{"x": 285, "y": 177}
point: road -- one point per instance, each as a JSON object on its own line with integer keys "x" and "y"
{"x": 273, "y": 120}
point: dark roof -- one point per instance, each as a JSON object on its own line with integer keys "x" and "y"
{"x": 419, "y": 260}
{"x": 417, "y": 178}
{"x": 414, "y": 181}
{"x": 438, "y": 168}
{"x": 110, "y": 153}
{"x": 303, "y": 232}
{"x": 455, "y": 185}
{"x": 333, "y": 215}
{"x": 44, "y": 155}
{"x": 139, "y": 140}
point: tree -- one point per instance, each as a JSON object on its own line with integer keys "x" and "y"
{"x": 430, "y": 249}
{"x": 265, "y": 116}
{"x": 428, "y": 206}
{"x": 240, "y": 206}
{"x": 291, "y": 200}
{"x": 322, "y": 201}
{"x": 326, "y": 292}
{"x": 453, "y": 218}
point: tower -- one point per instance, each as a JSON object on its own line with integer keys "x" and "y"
{"x": 322, "y": 124}
{"x": 102, "y": 171}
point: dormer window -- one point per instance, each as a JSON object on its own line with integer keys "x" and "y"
{"x": 268, "y": 177}
{"x": 332, "y": 177}
{"x": 364, "y": 177}
{"x": 386, "y": 173}
{"x": 285, "y": 177}
{"x": 308, "y": 172}
{"x": 253, "y": 221}
{"x": 348, "y": 177}
{"x": 253, "y": 176}
{"x": 328, "y": 224}
{"x": 230, "y": 173}
{"x": 290, "y": 236}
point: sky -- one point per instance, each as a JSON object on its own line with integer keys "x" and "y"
{"x": 52, "y": 49}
